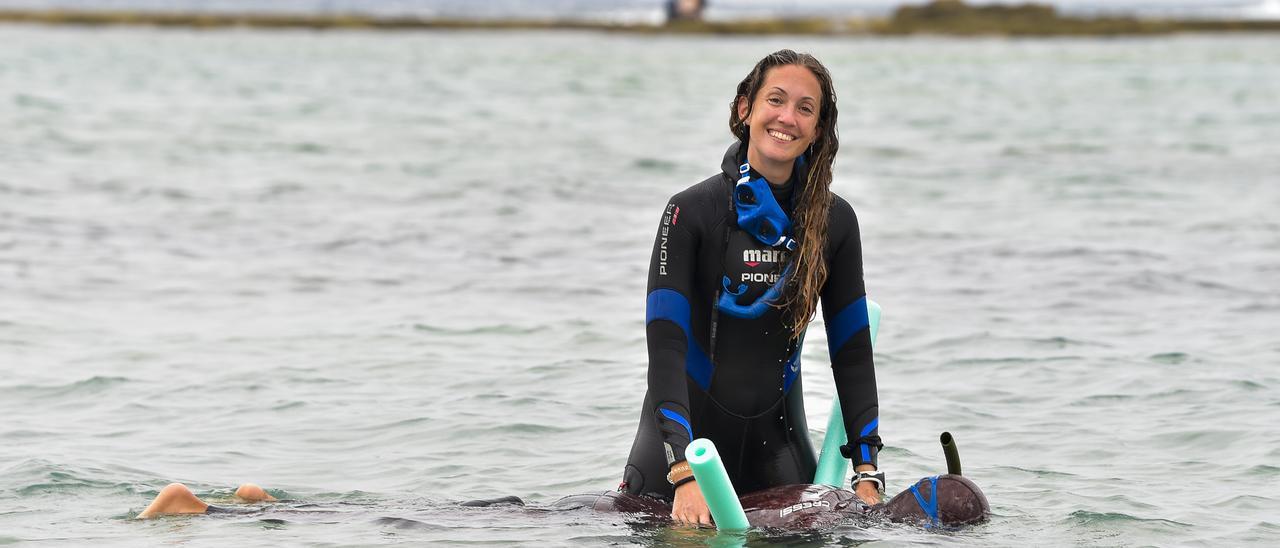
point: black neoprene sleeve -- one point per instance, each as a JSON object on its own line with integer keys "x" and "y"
{"x": 851, "y": 364}
{"x": 671, "y": 278}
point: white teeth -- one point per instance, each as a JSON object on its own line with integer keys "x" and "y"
{"x": 782, "y": 136}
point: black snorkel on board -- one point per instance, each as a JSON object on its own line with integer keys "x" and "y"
{"x": 950, "y": 451}
{"x": 945, "y": 500}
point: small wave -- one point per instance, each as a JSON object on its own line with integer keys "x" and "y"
{"x": 499, "y": 329}
{"x": 1245, "y": 502}
{"x": 1062, "y": 342}
{"x": 307, "y": 147}
{"x": 1073, "y": 147}
{"x": 1085, "y": 517}
{"x": 7, "y": 188}
{"x": 1035, "y": 472}
{"x": 1078, "y": 252}
{"x": 1170, "y": 358}
{"x": 1256, "y": 308}
{"x": 889, "y": 152}
{"x": 1265, "y": 470}
{"x": 1126, "y": 500}
{"x": 1100, "y": 398}
{"x": 654, "y": 164}
{"x": 987, "y": 339}
{"x": 1248, "y": 385}
{"x": 1176, "y": 393}
{"x": 1163, "y": 282}
{"x": 989, "y": 361}
{"x": 402, "y": 423}
{"x": 91, "y": 385}
{"x": 1220, "y": 439}
{"x": 406, "y": 523}
{"x": 278, "y": 190}
{"x": 916, "y": 235}
{"x": 32, "y": 101}
{"x": 289, "y": 405}
{"x": 513, "y": 428}
{"x": 41, "y": 477}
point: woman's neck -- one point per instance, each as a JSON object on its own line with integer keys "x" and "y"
{"x": 777, "y": 174}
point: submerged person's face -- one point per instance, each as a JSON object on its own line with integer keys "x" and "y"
{"x": 783, "y": 118}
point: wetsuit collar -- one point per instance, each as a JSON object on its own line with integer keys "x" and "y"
{"x": 736, "y": 155}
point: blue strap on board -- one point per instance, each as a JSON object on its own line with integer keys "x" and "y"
{"x": 930, "y": 507}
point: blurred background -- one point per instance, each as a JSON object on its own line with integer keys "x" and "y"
{"x": 649, "y": 11}
{"x": 384, "y": 271}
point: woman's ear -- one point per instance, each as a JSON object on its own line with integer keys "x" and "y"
{"x": 742, "y": 108}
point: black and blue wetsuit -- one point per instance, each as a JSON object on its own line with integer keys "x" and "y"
{"x": 736, "y": 380}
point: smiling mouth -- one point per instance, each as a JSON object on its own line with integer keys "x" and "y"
{"x": 781, "y": 136}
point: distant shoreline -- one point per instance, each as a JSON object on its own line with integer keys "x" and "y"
{"x": 909, "y": 21}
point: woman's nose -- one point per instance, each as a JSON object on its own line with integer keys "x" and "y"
{"x": 787, "y": 115}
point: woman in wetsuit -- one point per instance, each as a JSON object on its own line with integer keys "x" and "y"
{"x": 739, "y": 265}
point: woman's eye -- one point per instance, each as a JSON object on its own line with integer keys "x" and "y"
{"x": 806, "y": 109}
{"x": 775, "y": 101}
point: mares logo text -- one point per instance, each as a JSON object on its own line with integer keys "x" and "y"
{"x": 753, "y": 257}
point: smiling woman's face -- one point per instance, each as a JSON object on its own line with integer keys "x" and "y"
{"x": 783, "y": 118}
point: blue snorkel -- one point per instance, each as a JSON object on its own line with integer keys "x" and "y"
{"x": 728, "y": 302}
{"x": 760, "y": 215}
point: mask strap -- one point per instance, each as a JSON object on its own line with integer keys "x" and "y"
{"x": 930, "y": 507}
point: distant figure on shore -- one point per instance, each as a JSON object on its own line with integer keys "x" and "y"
{"x": 685, "y": 10}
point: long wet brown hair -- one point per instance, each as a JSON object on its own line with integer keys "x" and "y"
{"x": 800, "y": 296}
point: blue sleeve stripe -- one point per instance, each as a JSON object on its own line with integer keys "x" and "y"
{"x": 676, "y": 417}
{"x": 869, "y": 427}
{"x": 866, "y": 449}
{"x": 847, "y": 323}
{"x": 667, "y": 304}
{"x": 670, "y": 305}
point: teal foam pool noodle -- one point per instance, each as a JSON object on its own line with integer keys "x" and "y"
{"x": 832, "y": 466}
{"x": 716, "y": 488}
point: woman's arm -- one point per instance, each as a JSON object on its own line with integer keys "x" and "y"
{"x": 844, "y": 307}
{"x": 673, "y": 353}
{"x": 667, "y": 326}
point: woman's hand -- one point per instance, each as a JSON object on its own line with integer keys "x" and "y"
{"x": 866, "y": 490}
{"x": 689, "y": 508}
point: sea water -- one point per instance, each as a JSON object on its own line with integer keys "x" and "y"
{"x": 381, "y": 273}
